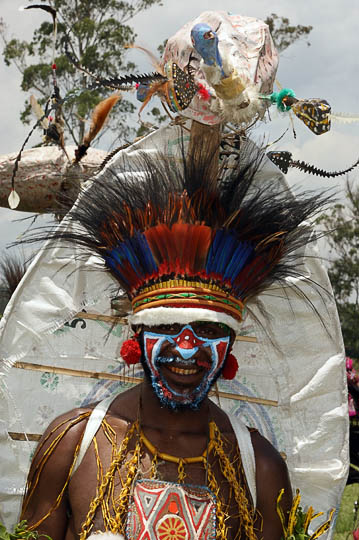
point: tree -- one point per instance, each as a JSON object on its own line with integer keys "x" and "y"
{"x": 342, "y": 224}
{"x": 97, "y": 33}
{"x": 283, "y": 33}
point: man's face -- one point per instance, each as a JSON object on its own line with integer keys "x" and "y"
{"x": 184, "y": 361}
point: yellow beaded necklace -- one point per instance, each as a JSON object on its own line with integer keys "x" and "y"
{"x": 125, "y": 468}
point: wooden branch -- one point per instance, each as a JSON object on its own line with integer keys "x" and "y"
{"x": 208, "y": 137}
{"x": 78, "y": 373}
{"x": 128, "y": 379}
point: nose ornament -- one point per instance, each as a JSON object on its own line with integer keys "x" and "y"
{"x": 186, "y": 344}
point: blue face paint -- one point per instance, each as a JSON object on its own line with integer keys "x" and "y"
{"x": 183, "y": 348}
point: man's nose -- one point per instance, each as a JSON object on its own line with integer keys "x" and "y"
{"x": 187, "y": 351}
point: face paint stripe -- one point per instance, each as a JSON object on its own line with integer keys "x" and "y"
{"x": 153, "y": 345}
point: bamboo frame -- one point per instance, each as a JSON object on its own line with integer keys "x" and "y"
{"x": 16, "y": 436}
{"x": 128, "y": 379}
{"x": 35, "y": 437}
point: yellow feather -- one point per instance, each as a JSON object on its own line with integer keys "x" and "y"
{"x": 281, "y": 513}
{"x": 292, "y": 513}
{"x": 308, "y": 518}
{"x": 323, "y": 528}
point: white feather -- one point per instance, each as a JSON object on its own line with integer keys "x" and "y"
{"x": 105, "y": 536}
{"x": 231, "y": 110}
{"x": 344, "y": 118}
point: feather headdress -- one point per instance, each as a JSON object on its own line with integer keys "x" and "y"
{"x": 184, "y": 252}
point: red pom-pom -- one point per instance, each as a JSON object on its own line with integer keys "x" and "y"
{"x": 53, "y": 66}
{"x": 203, "y": 92}
{"x": 131, "y": 351}
{"x": 230, "y": 367}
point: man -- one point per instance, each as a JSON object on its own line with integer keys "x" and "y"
{"x": 181, "y": 433}
{"x": 161, "y": 460}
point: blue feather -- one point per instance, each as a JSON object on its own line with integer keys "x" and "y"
{"x": 239, "y": 259}
{"x": 148, "y": 263}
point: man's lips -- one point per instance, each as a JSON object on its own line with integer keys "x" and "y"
{"x": 183, "y": 371}
{"x": 186, "y": 367}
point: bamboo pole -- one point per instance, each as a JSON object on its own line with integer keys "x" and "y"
{"x": 33, "y": 437}
{"x": 128, "y": 379}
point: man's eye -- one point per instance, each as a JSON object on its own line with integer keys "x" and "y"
{"x": 211, "y": 330}
{"x": 204, "y": 331}
{"x": 167, "y": 328}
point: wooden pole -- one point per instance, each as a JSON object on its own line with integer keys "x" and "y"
{"x": 128, "y": 379}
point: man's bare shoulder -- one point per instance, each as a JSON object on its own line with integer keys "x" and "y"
{"x": 268, "y": 459}
{"x": 68, "y": 428}
{"x": 271, "y": 477}
{"x": 63, "y": 434}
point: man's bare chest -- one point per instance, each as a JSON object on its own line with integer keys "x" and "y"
{"x": 102, "y": 490}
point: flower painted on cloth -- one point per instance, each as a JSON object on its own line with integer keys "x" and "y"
{"x": 171, "y": 527}
{"x": 49, "y": 380}
{"x": 44, "y": 414}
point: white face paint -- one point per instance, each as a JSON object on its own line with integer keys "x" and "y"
{"x": 184, "y": 365}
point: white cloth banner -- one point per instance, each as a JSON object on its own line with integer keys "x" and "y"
{"x": 298, "y": 363}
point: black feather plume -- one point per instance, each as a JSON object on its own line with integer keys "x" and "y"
{"x": 115, "y": 214}
{"x": 49, "y": 9}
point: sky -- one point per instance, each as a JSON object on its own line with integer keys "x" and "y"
{"x": 328, "y": 68}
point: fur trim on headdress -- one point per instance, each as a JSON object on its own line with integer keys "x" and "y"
{"x": 170, "y": 315}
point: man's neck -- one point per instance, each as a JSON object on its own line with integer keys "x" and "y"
{"x": 156, "y": 416}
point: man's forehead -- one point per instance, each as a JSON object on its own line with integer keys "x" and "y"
{"x": 201, "y": 323}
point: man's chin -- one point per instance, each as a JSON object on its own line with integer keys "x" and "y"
{"x": 177, "y": 401}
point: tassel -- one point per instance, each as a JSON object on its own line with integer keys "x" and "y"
{"x": 230, "y": 367}
{"x": 131, "y": 351}
{"x": 99, "y": 117}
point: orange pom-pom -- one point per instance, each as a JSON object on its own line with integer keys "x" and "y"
{"x": 230, "y": 367}
{"x": 131, "y": 351}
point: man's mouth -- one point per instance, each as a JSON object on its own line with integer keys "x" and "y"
{"x": 183, "y": 367}
{"x": 182, "y": 371}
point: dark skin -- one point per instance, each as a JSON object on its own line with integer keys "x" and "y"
{"x": 180, "y": 433}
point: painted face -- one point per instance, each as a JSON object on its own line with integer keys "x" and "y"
{"x": 184, "y": 361}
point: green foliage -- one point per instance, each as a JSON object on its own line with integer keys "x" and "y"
{"x": 283, "y": 33}
{"x": 97, "y": 33}
{"x": 347, "y": 519}
{"x": 342, "y": 222}
{"x": 20, "y": 532}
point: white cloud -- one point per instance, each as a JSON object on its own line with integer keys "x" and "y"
{"x": 327, "y": 69}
